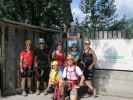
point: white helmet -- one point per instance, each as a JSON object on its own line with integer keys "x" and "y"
{"x": 41, "y": 40}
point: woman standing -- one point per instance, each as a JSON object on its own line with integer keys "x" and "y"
{"x": 26, "y": 61}
{"x": 89, "y": 61}
{"x": 58, "y": 55}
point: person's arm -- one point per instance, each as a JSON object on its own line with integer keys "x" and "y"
{"x": 35, "y": 58}
{"x": 80, "y": 74}
{"x": 64, "y": 74}
{"x": 94, "y": 59}
{"x": 48, "y": 56}
{"x": 77, "y": 57}
{"x": 82, "y": 78}
{"x": 35, "y": 62}
{"x": 53, "y": 54}
{"x": 21, "y": 64}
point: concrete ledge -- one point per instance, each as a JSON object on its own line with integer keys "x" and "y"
{"x": 114, "y": 83}
{"x": 9, "y": 93}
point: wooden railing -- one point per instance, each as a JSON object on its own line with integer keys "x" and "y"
{"x": 106, "y": 35}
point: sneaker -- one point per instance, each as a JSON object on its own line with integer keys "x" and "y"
{"x": 38, "y": 92}
{"x": 86, "y": 95}
{"x": 24, "y": 93}
{"x": 30, "y": 92}
{"x": 45, "y": 92}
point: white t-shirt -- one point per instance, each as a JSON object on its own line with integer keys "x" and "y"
{"x": 72, "y": 73}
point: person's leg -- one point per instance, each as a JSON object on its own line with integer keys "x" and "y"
{"x": 38, "y": 86}
{"x": 44, "y": 77}
{"x": 61, "y": 86}
{"x": 23, "y": 83}
{"x": 74, "y": 94}
{"x": 90, "y": 86}
{"x": 29, "y": 82}
{"x": 61, "y": 82}
{"x": 37, "y": 78}
{"x": 47, "y": 90}
{"x": 45, "y": 84}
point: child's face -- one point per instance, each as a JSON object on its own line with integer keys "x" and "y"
{"x": 74, "y": 49}
{"x": 54, "y": 67}
{"x": 70, "y": 62}
{"x": 28, "y": 46}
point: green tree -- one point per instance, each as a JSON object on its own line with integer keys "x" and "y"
{"x": 99, "y": 13}
{"x": 37, "y": 12}
{"x": 119, "y": 25}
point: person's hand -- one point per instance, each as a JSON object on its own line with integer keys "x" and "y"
{"x": 81, "y": 84}
{"x": 77, "y": 86}
{"x": 65, "y": 64}
{"x": 36, "y": 65}
{"x": 90, "y": 67}
{"x": 29, "y": 67}
{"x": 21, "y": 70}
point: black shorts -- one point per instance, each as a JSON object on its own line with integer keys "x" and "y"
{"x": 26, "y": 73}
{"x": 42, "y": 73}
{"x": 88, "y": 74}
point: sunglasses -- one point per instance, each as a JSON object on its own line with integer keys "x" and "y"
{"x": 87, "y": 43}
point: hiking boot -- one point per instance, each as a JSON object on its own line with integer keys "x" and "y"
{"x": 38, "y": 92}
{"x": 24, "y": 93}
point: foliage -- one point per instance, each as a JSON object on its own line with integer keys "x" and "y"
{"x": 37, "y": 12}
{"x": 99, "y": 13}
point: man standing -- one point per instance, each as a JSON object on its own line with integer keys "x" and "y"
{"x": 41, "y": 64}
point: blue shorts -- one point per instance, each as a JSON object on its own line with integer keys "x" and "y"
{"x": 61, "y": 69}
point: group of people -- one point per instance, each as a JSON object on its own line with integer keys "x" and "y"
{"x": 69, "y": 71}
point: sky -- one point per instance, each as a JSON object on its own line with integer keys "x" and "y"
{"x": 124, "y": 8}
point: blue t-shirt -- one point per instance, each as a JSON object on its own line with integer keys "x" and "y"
{"x": 76, "y": 54}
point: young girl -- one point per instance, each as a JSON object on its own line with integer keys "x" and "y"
{"x": 53, "y": 77}
{"x": 71, "y": 75}
{"x": 58, "y": 55}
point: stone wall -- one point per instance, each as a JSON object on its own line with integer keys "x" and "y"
{"x": 114, "y": 83}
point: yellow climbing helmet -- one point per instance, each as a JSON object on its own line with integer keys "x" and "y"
{"x": 54, "y": 63}
{"x": 28, "y": 41}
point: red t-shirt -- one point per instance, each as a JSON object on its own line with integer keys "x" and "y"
{"x": 27, "y": 58}
{"x": 59, "y": 56}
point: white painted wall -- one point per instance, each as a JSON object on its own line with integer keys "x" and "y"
{"x": 114, "y": 54}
